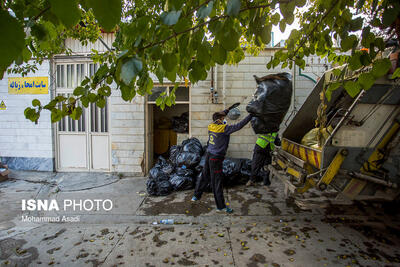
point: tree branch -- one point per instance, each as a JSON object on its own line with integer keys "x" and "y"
{"x": 200, "y": 25}
{"x": 304, "y": 40}
{"x": 197, "y": 8}
{"x": 41, "y": 13}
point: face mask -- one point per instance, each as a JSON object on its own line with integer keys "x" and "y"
{"x": 224, "y": 121}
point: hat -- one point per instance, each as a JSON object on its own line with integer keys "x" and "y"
{"x": 218, "y": 115}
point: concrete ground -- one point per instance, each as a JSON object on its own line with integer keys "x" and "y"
{"x": 266, "y": 228}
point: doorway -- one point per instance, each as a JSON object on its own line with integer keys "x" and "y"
{"x": 168, "y": 127}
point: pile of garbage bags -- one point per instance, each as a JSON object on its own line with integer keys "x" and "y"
{"x": 183, "y": 168}
{"x": 180, "y": 124}
{"x": 271, "y": 102}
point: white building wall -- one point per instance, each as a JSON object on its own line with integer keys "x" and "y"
{"x": 127, "y": 134}
{"x": 25, "y": 145}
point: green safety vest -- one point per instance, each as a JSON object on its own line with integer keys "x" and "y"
{"x": 264, "y": 140}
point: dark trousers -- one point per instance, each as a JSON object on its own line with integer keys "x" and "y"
{"x": 212, "y": 170}
{"x": 261, "y": 157}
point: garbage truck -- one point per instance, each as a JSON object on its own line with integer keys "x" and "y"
{"x": 355, "y": 155}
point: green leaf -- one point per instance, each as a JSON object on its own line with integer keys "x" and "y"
{"x": 127, "y": 92}
{"x": 233, "y": 8}
{"x": 130, "y": 69}
{"x": 349, "y": 42}
{"x": 366, "y": 80}
{"x": 169, "y": 61}
{"x": 92, "y": 97}
{"x": 354, "y": 61}
{"x": 389, "y": 16}
{"x": 365, "y": 59}
{"x": 381, "y": 67}
{"x": 104, "y": 91}
{"x": 266, "y": 34}
{"x": 352, "y": 88}
{"x": 183, "y": 24}
{"x": 230, "y": 40}
{"x": 66, "y": 11}
{"x": 356, "y": 24}
{"x": 205, "y": 10}
{"x": 79, "y": 91}
{"x": 85, "y": 101}
{"x": 197, "y": 72}
{"x": 76, "y": 113}
{"x": 56, "y": 115}
{"x": 203, "y": 54}
{"x": 160, "y": 73}
{"x": 109, "y": 80}
{"x": 300, "y": 3}
{"x": 332, "y": 87}
{"x": 168, "y": 102}
{"x": 36, "y": 103}
{"x": 107, "y": 12}
{"x": 159, "y": 101}
{"x": 85, "y": 81}
{"x": 396, "y": 74}
{"x": 39, "y": 31}
{"x": 170, "y": 18}
{"x": 282, "y": 26}
{"x": 101, "y": 102}
{"x": 287, "y": 9}
{"x": 12, "y": 40}
{"x": 26, "y": 54}
{"x": 219, "y": 54}
{"x": 275, "y": 18}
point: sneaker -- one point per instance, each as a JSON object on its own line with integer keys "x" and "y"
{"x": 194, "y": 199}
{"x": 227, "y": 210}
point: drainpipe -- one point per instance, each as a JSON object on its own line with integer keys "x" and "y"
{"x": 223, "y": 84}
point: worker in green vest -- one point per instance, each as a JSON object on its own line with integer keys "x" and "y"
{"x": 265, "y": 144}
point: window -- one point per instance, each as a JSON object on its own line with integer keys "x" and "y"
{"x": 67, "y": 124}
{"x": 181, "y": 93}
{"x": 93, "y": 119}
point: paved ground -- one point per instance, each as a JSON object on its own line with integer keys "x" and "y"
{"x": 266, "y": 228}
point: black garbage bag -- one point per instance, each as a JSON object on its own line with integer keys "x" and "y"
{"x": 202, "y": 163}
{"x": 271, "y": 102}
{"x": 192, "y": 145}
{"x": 164, "y": 188}
{"x": 185, "y": 115}
{"x": 180, "y": 124}
{"x": 184, "y": 172}
{"x": 273, "y": 94}
{"x": 267, "y": 123}
{"x": 161, "y": 161}
{"x": 151, "y": 186}
{"x": 157, "y": 174}
{"x": 158, "y": 188}
{"x": 236, "y": 171}
{"x": 181, "y": 182}
{"x": 245, "y": 169}
{"x": 190, "y": 160}
{"x": 231, "y": 166}
{"x": 173, "y": 153}
{"x": 168, "y": 168}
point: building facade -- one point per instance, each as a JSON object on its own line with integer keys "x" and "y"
{"x": 125, "y": 137}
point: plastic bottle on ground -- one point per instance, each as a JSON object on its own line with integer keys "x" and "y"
{"x": 167, "y": 221}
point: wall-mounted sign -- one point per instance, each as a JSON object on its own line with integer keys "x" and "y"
{"x": 28, "y": 85}
{"x": 2, "y": 105}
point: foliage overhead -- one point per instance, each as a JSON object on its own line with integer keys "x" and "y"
{"x": 180, "y": 41}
